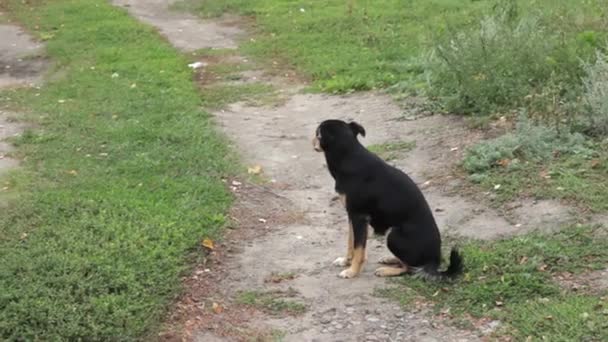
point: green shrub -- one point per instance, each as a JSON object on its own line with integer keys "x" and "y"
{"x": 528, "y": 142}
{"x": 595, "y": 94}
{"x": 504, "y": 61}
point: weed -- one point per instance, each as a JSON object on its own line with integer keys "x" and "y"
{"x": 392, "y": 150}
{"x": 272, "y": 302}
{"x": 275, "y": 277}
{"x": 596, "y": 95}
{"x": 505, "y": 59}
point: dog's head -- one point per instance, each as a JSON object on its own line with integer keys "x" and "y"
{"x": 332, "y": 133}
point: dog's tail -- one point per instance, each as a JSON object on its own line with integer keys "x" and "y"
{"x": 431, "y": 271}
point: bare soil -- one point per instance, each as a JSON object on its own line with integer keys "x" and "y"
{"x": 291, "y": 224}
{"x": 21, "y": 65}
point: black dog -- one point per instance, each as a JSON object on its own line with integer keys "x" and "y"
{"x": 382, "y": 196}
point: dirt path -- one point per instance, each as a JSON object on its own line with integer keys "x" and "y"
{"x": 20, "y": 65}
{"x": 278, "y": 138}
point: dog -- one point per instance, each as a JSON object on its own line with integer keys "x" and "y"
{"x": 377, "y": 194}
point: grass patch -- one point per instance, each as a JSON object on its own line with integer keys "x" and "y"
{"x": 392, "y": 150}
{"x": 538, "y": 161}
{"x": 357, "y": 45}
{"x": 121, "y": 179}
{"x": 511, "y": 280}
{"x": 272, "y": 302}
{"x": 344, "y": 48}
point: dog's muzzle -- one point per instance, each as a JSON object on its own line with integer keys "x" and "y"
{"x": 316, "y": 144}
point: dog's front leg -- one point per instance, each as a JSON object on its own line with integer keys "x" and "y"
{"x": 359, "y": 240}
{"x": 345, "y": 261}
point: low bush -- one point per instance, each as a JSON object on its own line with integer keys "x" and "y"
{"x": 528, "y": 142}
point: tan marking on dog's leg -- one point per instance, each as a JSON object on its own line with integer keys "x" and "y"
{"x": 356, "y": 263}
{"x": 345, "y": 261}
{"x": 389, "y": 260}
{"x": 390, "y": 271}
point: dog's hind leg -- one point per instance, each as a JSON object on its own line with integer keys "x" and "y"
{"x": 391, "y": 271}
{"x": 359, "y": 229}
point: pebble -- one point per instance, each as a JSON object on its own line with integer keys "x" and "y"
{"x": 372, "y": 319}
{"x": 339, "y": 326}
{"x": 399, "y": 314}
{"x": 325, "y": 320}
{"x": 371, "y": 338}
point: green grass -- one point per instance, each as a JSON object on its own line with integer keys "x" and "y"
{"x": 272, "y": 302}
{"x": 511, "y": 280}
{"x": 375, "y": 43}
{"x": 120, "y": 180}
{"x": 392, "y": 150}
{"x": 578, "y": 180}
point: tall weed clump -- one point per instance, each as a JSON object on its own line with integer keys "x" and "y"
{"x": 595, "y": 96}
{"x": 507, "y": 61}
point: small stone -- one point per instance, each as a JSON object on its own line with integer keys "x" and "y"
{"x": 339, "y": 326}
{"x": 399, "y": 314}
{"x": 325, "y": 320}
{"x": 371, "y": 338}
{"x": 372, "y": 319}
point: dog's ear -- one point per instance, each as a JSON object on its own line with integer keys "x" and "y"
{"x": 356, "y": 128}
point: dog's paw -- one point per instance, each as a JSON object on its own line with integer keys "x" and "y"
{"x": 347, "y": 274}
{"x": 389, "y": 260}
{"x": 390, "y": 271}
{"x": 341, "y": 262}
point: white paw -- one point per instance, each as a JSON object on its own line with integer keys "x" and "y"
{"x": 347, "y": 273}
{"x": 341, "y": 262}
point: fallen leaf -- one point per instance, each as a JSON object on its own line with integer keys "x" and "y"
{"x": 543, "y": 268}
{"x": 559, "y": 188}
{"x": 504, "y": 162}
{"x": 254, "y": 170}
{"x": 208, "y": 243}
{"x": 217, "y": 308}
{"x": 23, "y": 236}
{"x": 454, "y": 149}
{"x": 73, "y": 172}
{"x": 436, "y": 294}
{"x": 499, "y": 303}
{"x": 497, "y": 186}
{"x": 236, "y": 183}
{"x": 544, "y": 174}
{"x": 523, "y": 260}
{"x": 595, "y": 163}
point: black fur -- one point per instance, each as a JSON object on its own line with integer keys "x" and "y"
{"x": 384, "y": 197}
